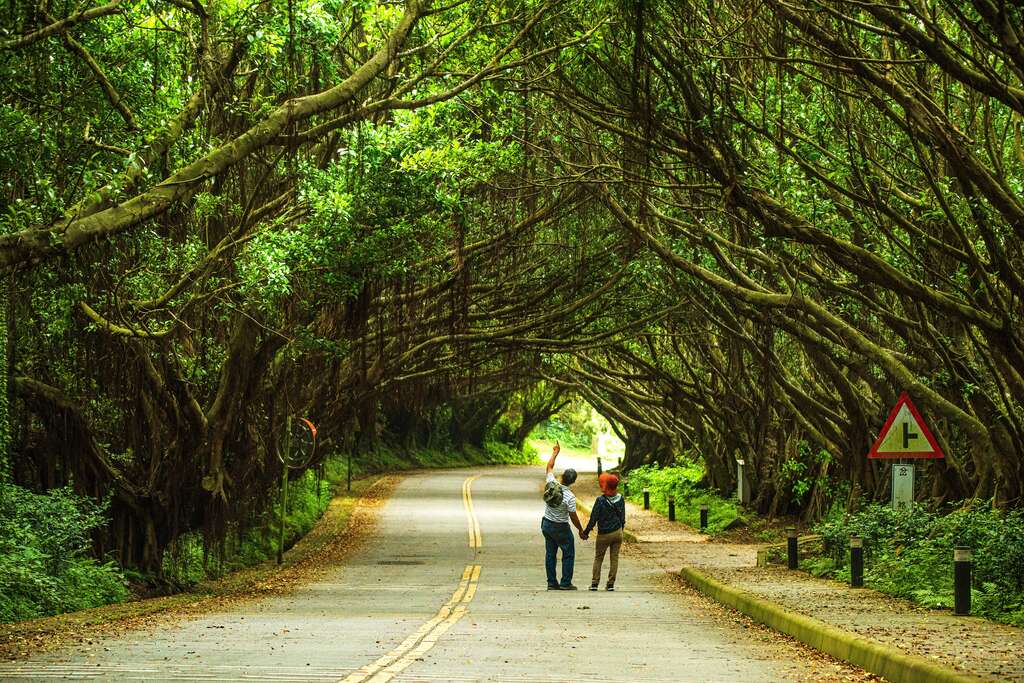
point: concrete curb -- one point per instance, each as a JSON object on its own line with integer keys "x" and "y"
{"x": 883, "y": 660}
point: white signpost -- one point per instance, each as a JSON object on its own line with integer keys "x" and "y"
{"x": 902, "y": 486}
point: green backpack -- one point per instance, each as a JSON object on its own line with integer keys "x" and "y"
{"x": 553, "y": 495}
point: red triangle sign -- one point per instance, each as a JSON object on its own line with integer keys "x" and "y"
{"x": 905, "y": 435}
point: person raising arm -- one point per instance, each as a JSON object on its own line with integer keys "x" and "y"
{"x": 555, "y": 524}
{"x": 568, "y": 478}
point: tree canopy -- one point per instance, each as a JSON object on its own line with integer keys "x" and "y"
{"x": 735, "y": 229}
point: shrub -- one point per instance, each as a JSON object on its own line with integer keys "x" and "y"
{"x": 44, "y": 569}
{"x": 908, "y": 553}
{"x": 683, "y": 482}
{"x": 503, "y": 453}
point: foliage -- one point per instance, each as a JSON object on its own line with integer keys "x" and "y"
{"x": 684, "y": 482}
{"x": 43, "y": 542}
{"x": 908, "y": 553}
{"x": 554, "y": 429}
{"x": 575, "y": 424}
{"x": 735, "y": 233}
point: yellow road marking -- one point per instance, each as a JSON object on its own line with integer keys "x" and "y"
{"x": 425, "y": 637}
{"x": 472, "y": 523}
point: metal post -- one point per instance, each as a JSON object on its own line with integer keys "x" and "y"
{"x": 647, "y": 498}
{"x": 599, "y": 470}
{"x": 671, "y": 508}
{"x": 791, "y": 547}
{"x": 856, "y": 561}
{"x": 962, "y": 561}
{"x": 284, "y": 487}
{"x": 703, "y": 517}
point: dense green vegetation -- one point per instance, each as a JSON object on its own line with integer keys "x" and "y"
{"x": 735, "y": 229}
{"x": 684, "y": 482}
{"x": 908, "y": 554}
{"x": 44, "y": 566}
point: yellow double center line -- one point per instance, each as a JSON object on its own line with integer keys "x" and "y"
{"x": 425, "y": 637}
{"x": 472, "y": 523}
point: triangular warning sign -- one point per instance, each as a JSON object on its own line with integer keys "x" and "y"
{"x": 905, "y": 435}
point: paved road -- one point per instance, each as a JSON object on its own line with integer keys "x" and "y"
{"x": 452, "y": 589}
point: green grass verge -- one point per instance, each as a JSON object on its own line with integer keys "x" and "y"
{"x": 909, "y": 554}
{"x": 682, "y": 481}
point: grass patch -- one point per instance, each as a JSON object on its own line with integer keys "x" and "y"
{"x": 683, "y": 482}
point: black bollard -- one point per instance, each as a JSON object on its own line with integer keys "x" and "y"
{"x": 856, "y": 561}
{"x": 348, "y": 473}
{"x": 703, "y": 517}
{"x": 625, "y": 488}
{"x": 647, "y": 498}
{"x": 962, "y": 580}
{"x": 791, "y": 547}
{"x": 599, "y": 467}
{"x": 671, "y": 508}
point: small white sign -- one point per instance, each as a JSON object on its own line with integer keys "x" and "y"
{"x": 902, "y": 486}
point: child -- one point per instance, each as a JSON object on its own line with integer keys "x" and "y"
{"x": 609, "y": 514}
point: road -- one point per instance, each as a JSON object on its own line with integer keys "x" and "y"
{"x": 451, "y": 588}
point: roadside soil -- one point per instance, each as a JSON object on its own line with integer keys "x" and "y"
{"x": 348, "y": 521}
{"x": 976, "y": 646}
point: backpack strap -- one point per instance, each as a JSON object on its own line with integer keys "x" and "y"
{"x": 615, "y": 510}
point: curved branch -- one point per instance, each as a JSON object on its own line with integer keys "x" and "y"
{"x": 61, "y": 25}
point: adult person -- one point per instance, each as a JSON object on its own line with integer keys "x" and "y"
{"x": 555, "y": 526}
{"x": 609, "y": 514}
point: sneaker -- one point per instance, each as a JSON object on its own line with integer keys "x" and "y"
{"x": 609, "y": 587}
{"x": 593, "y": 586}
{"x": 570, "y": 587}
{"x": 552, "y": 586}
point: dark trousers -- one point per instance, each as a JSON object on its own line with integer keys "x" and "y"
{"x": 558, "y": 535}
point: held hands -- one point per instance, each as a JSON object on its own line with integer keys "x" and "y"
{"x": 583, "y": 535}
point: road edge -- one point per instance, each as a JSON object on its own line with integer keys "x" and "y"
{"x": 883, "y": 660}
{"x": 330, "y": 541}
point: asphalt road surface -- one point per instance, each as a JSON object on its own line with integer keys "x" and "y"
{"x": 451, "y": 588}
